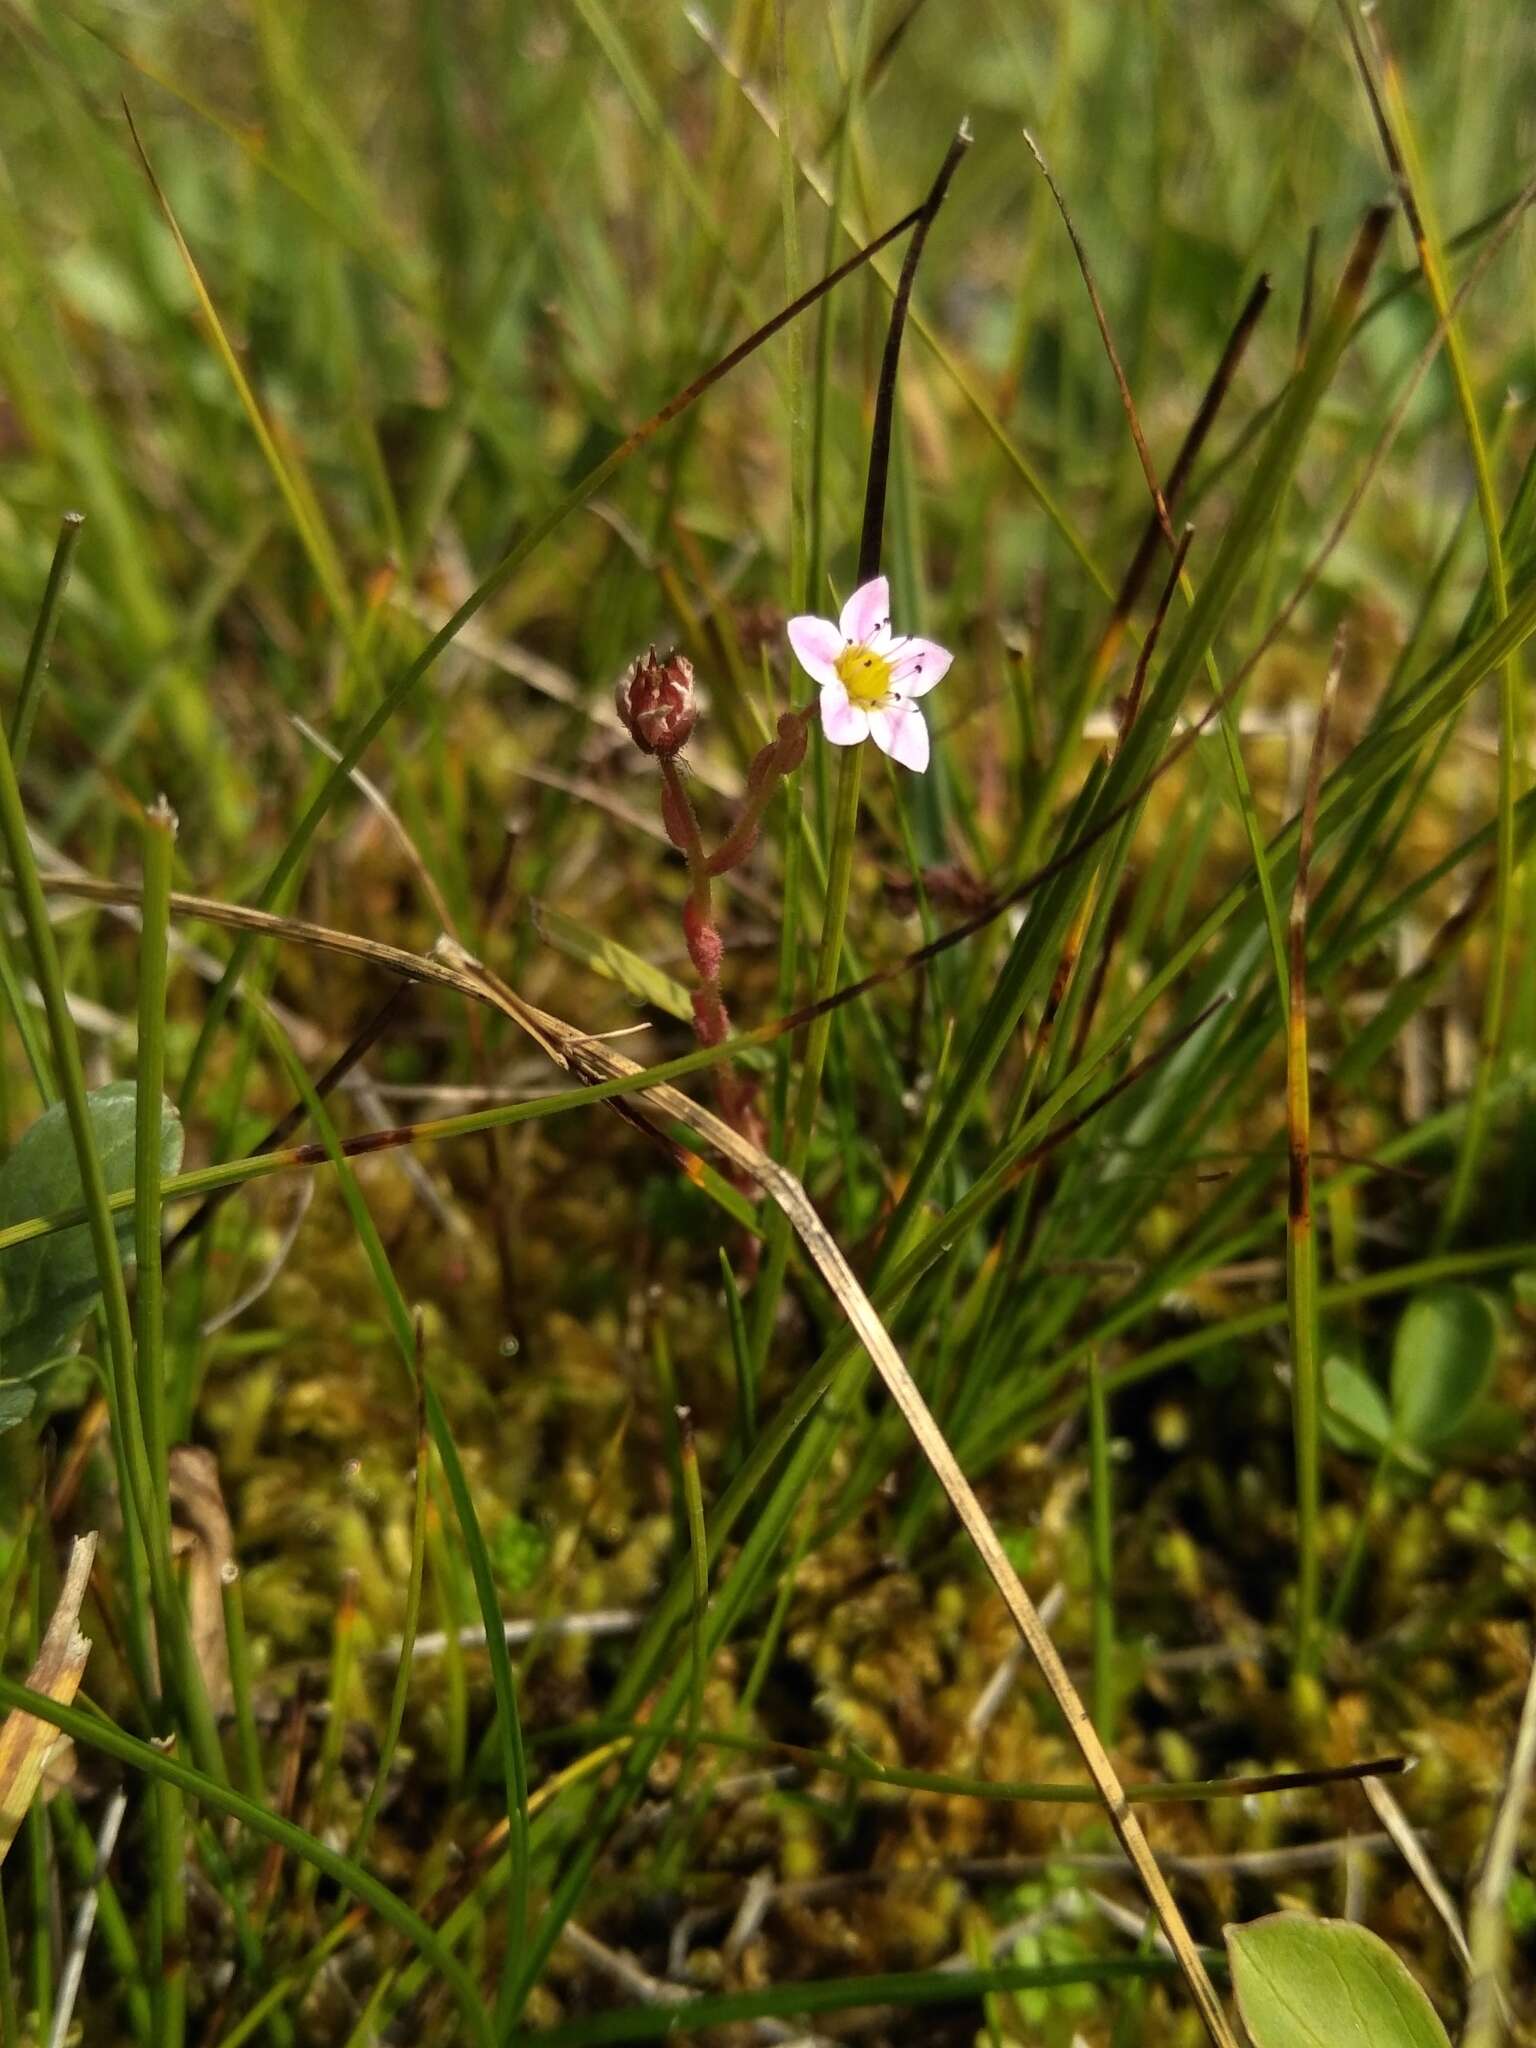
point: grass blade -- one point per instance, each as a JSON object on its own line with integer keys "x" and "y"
{"x": 1301, "y": 1235}
{"x": 90, "y": 1732}
{"x": 35, "y": 669}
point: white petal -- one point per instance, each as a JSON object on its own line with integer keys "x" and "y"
{"x": 916, "y": 665}
{"x": 866, "y": 612}
{"x": 844, "y": 722}
{"x": 817, "y": 644}
{"x": 900, "y": 730}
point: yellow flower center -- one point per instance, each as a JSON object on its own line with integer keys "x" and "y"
{"x": 865, "y": 676}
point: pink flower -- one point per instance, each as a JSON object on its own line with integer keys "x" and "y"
{"x": 869, "y": 676}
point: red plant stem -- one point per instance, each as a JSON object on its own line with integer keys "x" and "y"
{"x": 682, "y": 823}
{"x": 704, "y": 944}
{"x": 775, "y": 761}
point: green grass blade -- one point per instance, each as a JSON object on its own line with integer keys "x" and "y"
{"x": 93, "y": 1733}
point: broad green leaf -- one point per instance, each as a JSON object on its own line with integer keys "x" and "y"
{"x": 1356, "y": 1412}
{"x": 1442, "y": 1360}
{"x": 1492, "y": 1429}
{"x": 17, "y": 1400}
{"x": 50, "y": 1282}
{"x": 1304, "y": 1983}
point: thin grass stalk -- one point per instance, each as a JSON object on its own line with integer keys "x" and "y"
{"x": 400, "y": 1694}
{"x": 816, "y": 549}
{"x": 794, "y": 341}
{"x": 1028, "y": 1792}
{"x": 1373, "y": 844}
{"x": 1118, "y": 623}
{"x": 792, "y": 801}
{"x": 338, "y": 1686}
{"x": 842, "y": 835}
{"x": 1250, "y": 519}
{"x": 10, "y": 2013}
{"x": 33, "y": 1048}
{"x": 118, "y": 1937}
{"x": 34, "y": 671}
{"x": 741, "y": 1355}
{"x": 170, "y": 1959}
{"x": 1101, "y": 1509}
{"x": 1488, "y": 2015}
{"x": 795, "y": 2002}
{"x": 248, "y": 1946}
{"x": 358, "y": 1046}
{"x": 698, "y": 1552}
{"x": 84, "y": 1923}
{"x": 1355, "y": 1556}
{"x": 40, "y": 1944}
{"x": 294, "y": 1984}
{"x": 1399, "y": 143}
{"x": 297, "y": 494}
{"x": 454, "y": 1611}
{"x": 1301, "y": 1235}
{"x": 159, "y": 842}
{"x": 671, "y": 1441}
{"x": 242, "y": 1686}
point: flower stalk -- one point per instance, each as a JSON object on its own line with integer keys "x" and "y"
{"x": 656, "y": 705}
{"x": 858, "y": 665}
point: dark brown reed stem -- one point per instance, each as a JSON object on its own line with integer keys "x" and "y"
{"x": 872, "y": 539}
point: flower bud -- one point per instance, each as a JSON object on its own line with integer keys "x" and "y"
{"x": 656, "y": 703}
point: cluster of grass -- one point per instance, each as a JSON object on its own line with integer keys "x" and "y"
{"x": 1182, "y": 1103}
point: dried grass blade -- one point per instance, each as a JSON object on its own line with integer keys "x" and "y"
{"x": 26, "y": 1743}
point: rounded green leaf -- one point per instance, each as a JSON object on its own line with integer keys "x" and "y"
{"x": 1442, "y": 1360}
{"x": 50, "y": 1282}
{"x": 17, "y": 1400}
{"x": 1304, "y": 1983}
{"x": 1355, "y": 1413}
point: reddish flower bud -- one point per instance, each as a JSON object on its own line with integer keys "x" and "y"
{"x": 656, "y": 703}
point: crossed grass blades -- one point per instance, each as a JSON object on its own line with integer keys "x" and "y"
{"x": 1109, "y": 1059}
